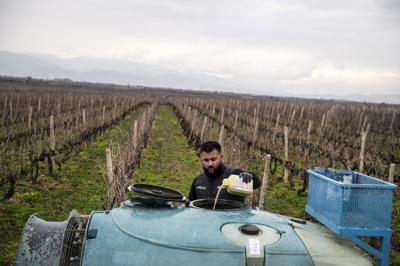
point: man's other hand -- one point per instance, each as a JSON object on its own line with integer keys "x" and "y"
{"x": 247, "y": 177}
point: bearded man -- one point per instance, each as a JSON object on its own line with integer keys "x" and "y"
{"x": 205, "y": 186}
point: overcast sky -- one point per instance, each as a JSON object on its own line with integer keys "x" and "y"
{"x": 296, "y": 47}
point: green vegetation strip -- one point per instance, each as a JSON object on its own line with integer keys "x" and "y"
{"x": 79, "y": 185}
{"x": 167, "y": 160}
{"x": 283, "y": 199}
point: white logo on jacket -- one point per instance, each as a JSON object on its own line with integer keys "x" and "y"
{"x": 201, "y": 187}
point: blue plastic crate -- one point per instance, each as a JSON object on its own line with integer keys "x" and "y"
{"x": 343, "y": 199}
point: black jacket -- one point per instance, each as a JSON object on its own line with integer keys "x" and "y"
{"x": 205, "y": 187}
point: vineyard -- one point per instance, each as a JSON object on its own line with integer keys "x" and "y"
{"x": 67, "y": 145}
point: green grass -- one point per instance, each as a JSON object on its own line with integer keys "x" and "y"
{"x": 79, "y": 185}
{"x": 284, "y": 200}
{"x": 279, "y": 197}
{"x": 167, "y": 160}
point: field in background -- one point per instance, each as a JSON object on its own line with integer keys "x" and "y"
{"x": 152, "y": 135}
{"x": 80, "y": 184}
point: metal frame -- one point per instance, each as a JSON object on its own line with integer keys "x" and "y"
{"x": 353, "y": 233}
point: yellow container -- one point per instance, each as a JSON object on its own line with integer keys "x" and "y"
{"x": 235, "y": 185}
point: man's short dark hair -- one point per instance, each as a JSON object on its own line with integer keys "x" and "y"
{"x": 209, "y": 146}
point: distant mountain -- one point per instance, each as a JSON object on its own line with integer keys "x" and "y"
{"x": 107, "y": 71}
{"x": 388, "y": 98}
{"x": 25, "y": 65}
{"x": 126, "y": 72}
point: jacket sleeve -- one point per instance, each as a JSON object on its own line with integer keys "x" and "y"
{"x": 256, "y": 179}
{"x": 192, "y": 193}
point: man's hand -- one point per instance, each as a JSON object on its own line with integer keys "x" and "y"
{"x": 247, "y": 177}
{"x": 186, "y": 202}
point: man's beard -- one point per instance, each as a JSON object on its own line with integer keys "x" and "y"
{"x": 213, "y": 172}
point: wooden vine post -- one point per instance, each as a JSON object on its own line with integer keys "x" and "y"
{"x": 264, "y": 182}
{"x": 58, "y": 109}
{"x": 114, "y": 112}
{"x": 213, "y": 110}
{"x": 188, "y": 114}
{"x": 291, "y": 119}
{"x": 255, "y": 116}
{"x": 221, "y": 135}
{"x": 255, "y": 134}
{"x": 5, "y": 105}
{"x": 236, "y": 120}
{"x": 52, "y": 135}
{"x": 110, "y": 177}
{"x": 392, "y": 122}
{"x": 135, "y": 134}
{"x": 363, "y": 137}
{"x": 203, "y": 128}
{"x": 301, "y": 113}
{"x": 309, "y": 131}
{"x": 52, "y": 144}
{"x": 359, "y": 123}
{"x": 222, "y": 115}
{"x": 286, "y": 171}
{"x": 142, "y": 122}
{"x": 11, "y": 111}
{"x": 321, "y": 129}
{"x": 84, "y": 117}
{"x": 192, "y": 127}
{"x": 365, "y": 122}
{"x": 103, "y": 118}
{"x": 30, "y": 118}
{"x": 275, "y": 129}
{"x": 391, "y": 173}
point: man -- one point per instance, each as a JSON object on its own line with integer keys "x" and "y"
{"x": 205, "y": 186}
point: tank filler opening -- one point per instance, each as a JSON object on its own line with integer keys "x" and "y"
{"x": 220, "y": 204}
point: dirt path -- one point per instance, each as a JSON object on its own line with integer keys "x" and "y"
{"x": 167, "y": 160}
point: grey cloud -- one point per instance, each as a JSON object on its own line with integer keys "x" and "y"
{"x": 213, "y": 36}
